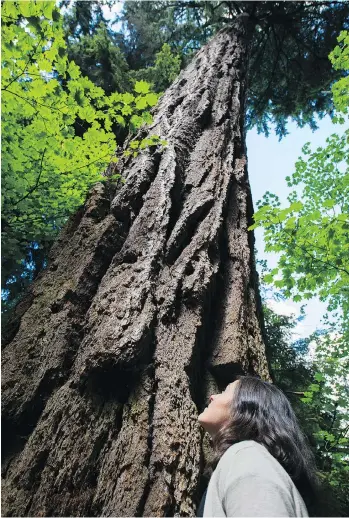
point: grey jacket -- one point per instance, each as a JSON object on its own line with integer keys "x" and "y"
{"x": 249, "y": 481}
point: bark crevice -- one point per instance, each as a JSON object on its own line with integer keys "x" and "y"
{"x": 60, "y": 323}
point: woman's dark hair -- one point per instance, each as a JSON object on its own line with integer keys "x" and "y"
{"x": 261, "y": 412}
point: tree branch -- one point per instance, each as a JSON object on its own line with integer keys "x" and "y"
{"x": 327, "y": 263}
{"x": 37, "y": 180}
{"x": 264, "y": 96}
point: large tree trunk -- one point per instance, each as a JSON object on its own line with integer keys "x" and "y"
{"x": 148, "y": 303}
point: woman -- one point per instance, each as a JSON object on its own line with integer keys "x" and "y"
{"x": 264, "y": 466}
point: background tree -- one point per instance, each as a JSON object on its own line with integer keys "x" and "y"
{"x": 106, "y": 56}
{"x": 149, "y": 301}
{"x": 165, "y": 70}
{"x": 82, "y": 18}
{"x": 101, "y": 59}
{"x": 319, "y": 395}
{"x": 95, "y": 47}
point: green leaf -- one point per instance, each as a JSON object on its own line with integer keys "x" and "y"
{"x": 120, "y": 120}
{"x": 73, "y": 70}
{"x": 147, "y": 117}
{"x": 329, "y": 203}
{"x": 268, "y": 278}
{"x": 151, "y": 99}
{"x": 127, "y": 110}
{"x": 127, "y": 98}
{"x": 296, "y": 206}
{"x": 319, "y": 376}
{"x": 141, "y": 87}
{"x": 141, "y": 103}
{"x": 47, "y": 8}
{"x": 136, "y": 121}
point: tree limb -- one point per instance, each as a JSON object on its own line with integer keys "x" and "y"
{"x": 37, "y": 180}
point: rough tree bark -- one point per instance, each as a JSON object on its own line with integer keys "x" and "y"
{"x": 149, "y": 300}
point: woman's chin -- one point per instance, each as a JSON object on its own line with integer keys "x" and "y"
{"x": 201, "y": 417}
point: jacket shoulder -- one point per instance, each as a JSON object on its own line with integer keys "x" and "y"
{"x": 248, "y": 458}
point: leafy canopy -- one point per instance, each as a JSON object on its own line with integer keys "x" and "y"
{"x": 108, "y": 56}
{"x": 340, "y": 61}
{"x": 100, "y": 58}
{"x": 289, "y": 73}
{"x": 58, "y": 134}
{"x": 165, "y": 70}
{"x": 311, "y": 235}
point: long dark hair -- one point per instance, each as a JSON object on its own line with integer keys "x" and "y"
{"x": 261, "y": 412}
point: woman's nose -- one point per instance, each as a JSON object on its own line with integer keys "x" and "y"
{"x": 212, "y": 398}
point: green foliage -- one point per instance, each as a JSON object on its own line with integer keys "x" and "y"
{"x": 102, "y": 52}
{"x": 311, "y": 235}
{"x": 319, "y": 392}
{"x": 101, "y": 59}
{"x": 287, "y": 363}
{"x": 164, "y": 72}
{"x": 326, "y": 402}
{"x": 340, "y": 60}
{"x": 82, "y": 18}
{"x": 58, "y": 135}
{"x": 184, "y": 27}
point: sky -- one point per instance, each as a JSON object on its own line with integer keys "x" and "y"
{"x": 109, "y": 13}
{"x": 269, "y": 162}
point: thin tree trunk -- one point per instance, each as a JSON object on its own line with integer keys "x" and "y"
{"x": 148, "y": 303}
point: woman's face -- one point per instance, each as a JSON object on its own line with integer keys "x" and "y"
{"x": 218, "y": 412}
